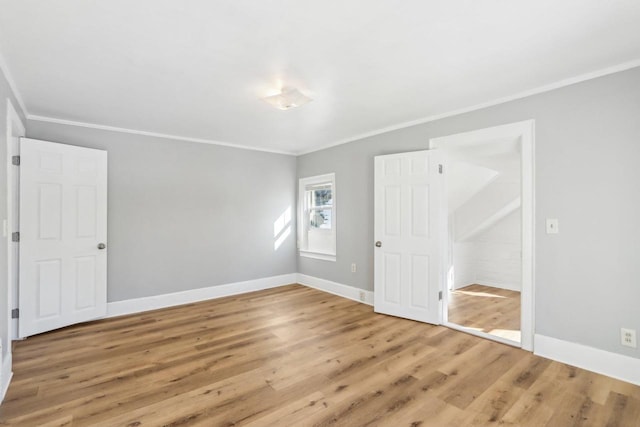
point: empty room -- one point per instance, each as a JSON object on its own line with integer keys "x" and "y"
{"x": 337, "y": 213}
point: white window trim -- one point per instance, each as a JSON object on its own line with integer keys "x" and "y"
{"x": 302, "y": 184}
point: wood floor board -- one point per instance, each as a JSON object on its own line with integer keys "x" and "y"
{"x": 526, "y": 372}
{"x": 487, "y": 309}
{"x": 471, "y": 385}
{"x": 295, "y": 356}
{"x": 493, "y": 403}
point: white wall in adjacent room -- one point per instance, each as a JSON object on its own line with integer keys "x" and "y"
{"x": 491, "y": 258}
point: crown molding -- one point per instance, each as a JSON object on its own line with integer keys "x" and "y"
{"x": 152, "y": 134}
{"x": 541, "y": 89}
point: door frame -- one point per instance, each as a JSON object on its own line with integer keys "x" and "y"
{"x": 15, "y": 129}
{"x": 525, "y": 131}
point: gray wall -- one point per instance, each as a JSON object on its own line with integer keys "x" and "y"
{"x": 587, "y": 153}
{"x": 5, "y": 92}
{"x": 187, "y": 215}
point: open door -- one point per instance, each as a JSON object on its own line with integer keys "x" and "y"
{"x": 63, "y": 221}
{"x": 409, "y": 232}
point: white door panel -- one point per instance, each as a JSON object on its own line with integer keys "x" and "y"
{"x": 408, "y": 224}
{"x": 63, "y": 206}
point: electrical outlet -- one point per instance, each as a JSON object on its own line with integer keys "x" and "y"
{"x": 353, "y": 267}
{"x": 628, "y": 337}
{"x": 362, "y": 295}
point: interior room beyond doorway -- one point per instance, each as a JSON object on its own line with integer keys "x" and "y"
{"x": 489, "y": 199}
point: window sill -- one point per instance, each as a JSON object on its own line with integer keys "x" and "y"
{"x": 316, "y": 255}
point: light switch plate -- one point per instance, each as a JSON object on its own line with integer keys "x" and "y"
{"x": 552, "y": 226}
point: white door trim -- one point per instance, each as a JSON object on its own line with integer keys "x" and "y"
{"x": 13, "y": 121}
{"x": 524, "y": 130}
{"x": 15, "y": 128}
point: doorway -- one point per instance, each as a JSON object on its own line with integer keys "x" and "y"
{"x": 488, "y": 259}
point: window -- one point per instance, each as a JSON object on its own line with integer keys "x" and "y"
{"x": 317, "y": 224}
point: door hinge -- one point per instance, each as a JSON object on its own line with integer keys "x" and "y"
{"x": 15, "y": 313}
{"x": 440, "y": 296}
{"x": 15, "y": 160}
{"x": 440, "y": 168}
{"x": 15, "y": 236}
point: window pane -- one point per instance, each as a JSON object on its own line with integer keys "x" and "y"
{"x": 316, "y": 227}
{"x": 320, "y": 219}
{"x": 321, "y": 196}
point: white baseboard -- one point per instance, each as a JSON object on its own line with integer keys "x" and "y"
{"x": 138, "y": 305}
{"x": 5, "y": 375}
{"x": 614, "y": 365}
{"x": 508, "y": 287}
{"x": 335, "y": 288}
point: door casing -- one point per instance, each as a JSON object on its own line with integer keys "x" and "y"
{"x": 15, "y": 130}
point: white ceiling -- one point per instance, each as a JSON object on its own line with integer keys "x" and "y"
{"x": 197, "y": 68}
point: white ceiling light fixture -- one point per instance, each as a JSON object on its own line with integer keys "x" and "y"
{"x": 288, "y": 98}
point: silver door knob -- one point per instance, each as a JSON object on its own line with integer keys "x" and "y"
{"x": 378, "y": 244}
{"x": 101, "y": 246}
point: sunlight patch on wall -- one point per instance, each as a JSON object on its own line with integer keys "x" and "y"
{"x": 282, "y": 228}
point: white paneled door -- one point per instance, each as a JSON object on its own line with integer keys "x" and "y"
{"x": 63, "y": 231}
{"x": 409, "y": 230}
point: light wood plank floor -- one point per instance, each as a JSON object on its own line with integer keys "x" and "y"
{"x": 294, "y": 356}
{"x": 485, "y": 308}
